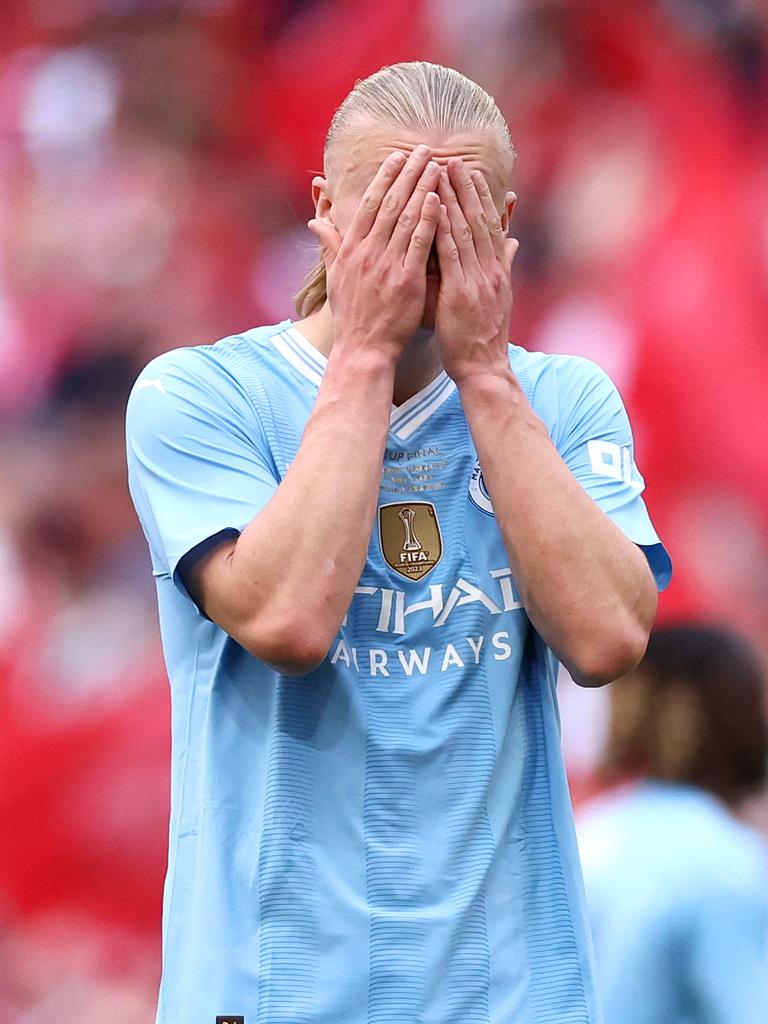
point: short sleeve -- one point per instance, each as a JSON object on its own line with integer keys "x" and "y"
{"x": 198, "y": 462}
{"x": 594, "y": 437}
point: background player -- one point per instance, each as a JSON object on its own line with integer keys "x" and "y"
{"x": 677, "y": 887}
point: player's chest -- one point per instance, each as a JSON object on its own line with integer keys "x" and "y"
{"x": 434, "y": 510}
{"x": 436, "y": 559}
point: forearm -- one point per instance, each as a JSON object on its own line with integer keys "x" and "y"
{"x": 285, "y": 585}
{"x": 283, "y": 588}
{"x": 586, "y": 587}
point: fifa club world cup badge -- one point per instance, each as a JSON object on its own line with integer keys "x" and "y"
{"x": 410, "y": 538}
{"x": 229, "y": 1019}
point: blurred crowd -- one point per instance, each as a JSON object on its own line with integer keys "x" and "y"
{"x": 155, "y": 160}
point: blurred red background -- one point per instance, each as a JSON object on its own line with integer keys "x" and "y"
{"x": 155, "y": 160}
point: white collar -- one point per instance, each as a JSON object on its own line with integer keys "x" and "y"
{"x": 404, "y": 419}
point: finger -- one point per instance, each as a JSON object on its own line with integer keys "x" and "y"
{"x": 365, "y": 215}
{"x": 460, "y": 176}
{"x": 461, "y": 231}
{"x": 328, "y": 237}
{"x": 400, "y": 191}
{"x": 447, "y": 251}
{"x": 423, "y": 234}
{"x": 402, "y": 232}
{"x": 493, "y": 220}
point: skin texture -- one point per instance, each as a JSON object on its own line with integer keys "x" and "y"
{"x": 385, "y": 227}
{"x": 352, "y": 165}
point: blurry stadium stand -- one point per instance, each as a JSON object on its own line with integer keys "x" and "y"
{"x": 155, "y": 166}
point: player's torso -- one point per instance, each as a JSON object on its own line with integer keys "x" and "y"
{"x": 399, "y": 795}
{"x": 436, "y": 593}
{"x": 437, "y": 574}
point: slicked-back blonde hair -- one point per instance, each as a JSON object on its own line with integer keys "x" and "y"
{"x": 419, "y": 96}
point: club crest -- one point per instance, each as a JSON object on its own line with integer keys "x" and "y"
{"x": 478, "y": 492}
{"x": 409, "y": 534}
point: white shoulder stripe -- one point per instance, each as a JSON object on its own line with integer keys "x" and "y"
{"x": 297, "y": 359}
{"x": 313, "y": 355}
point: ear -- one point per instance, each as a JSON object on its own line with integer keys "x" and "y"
{"x": 510, "y": 201}
{"x": 321, "y": 199}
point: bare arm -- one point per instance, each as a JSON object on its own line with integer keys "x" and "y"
{"x": 283, "y": 587}
{"x": 586, "y": 587}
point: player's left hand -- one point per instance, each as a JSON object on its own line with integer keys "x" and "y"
{"x": 475, "y": 298}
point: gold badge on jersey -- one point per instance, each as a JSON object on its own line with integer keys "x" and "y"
{"x": 410, "y": 537}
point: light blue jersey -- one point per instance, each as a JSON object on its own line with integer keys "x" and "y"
{"x": 678, "y": 896}
{"x": 390, "y": 838}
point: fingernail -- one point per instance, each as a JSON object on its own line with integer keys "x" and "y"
{"x": 397, "y": 157}
{"x": 422, "y": 150}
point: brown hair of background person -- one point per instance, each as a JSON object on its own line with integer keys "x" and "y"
{"x": 693, "y": 711}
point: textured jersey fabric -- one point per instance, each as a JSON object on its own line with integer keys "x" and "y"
{"x": 678, "y": 896}
{"x": 389, "y": 838}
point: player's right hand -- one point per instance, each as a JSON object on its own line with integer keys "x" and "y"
{"x": 376, "y": 273}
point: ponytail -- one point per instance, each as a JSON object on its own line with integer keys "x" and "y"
{"x": 313, "y": 292}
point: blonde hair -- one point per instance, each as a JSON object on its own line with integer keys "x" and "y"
{"x": 416, "y": 95}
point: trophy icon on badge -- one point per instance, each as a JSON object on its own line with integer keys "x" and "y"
{"x": 407, "y": 516}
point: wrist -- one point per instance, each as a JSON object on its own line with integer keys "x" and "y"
{"x": 494, "y": 396}
{"x": 362, "y": 363}
{"x": 487, "y": 381}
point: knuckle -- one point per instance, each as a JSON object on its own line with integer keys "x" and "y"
{"x": 390, "y": 201}
{"x": 481, "y": 220}
{"x": 419, "y": 241}
{"x": 406, "y": 219}
{"x": 465, "y": 233}
{"x": 370, "y": 201}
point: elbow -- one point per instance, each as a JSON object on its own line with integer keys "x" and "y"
{"x": 608, "y": 658}
{"x": 291, "y": 648}
{"x": 620, "y": 644}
